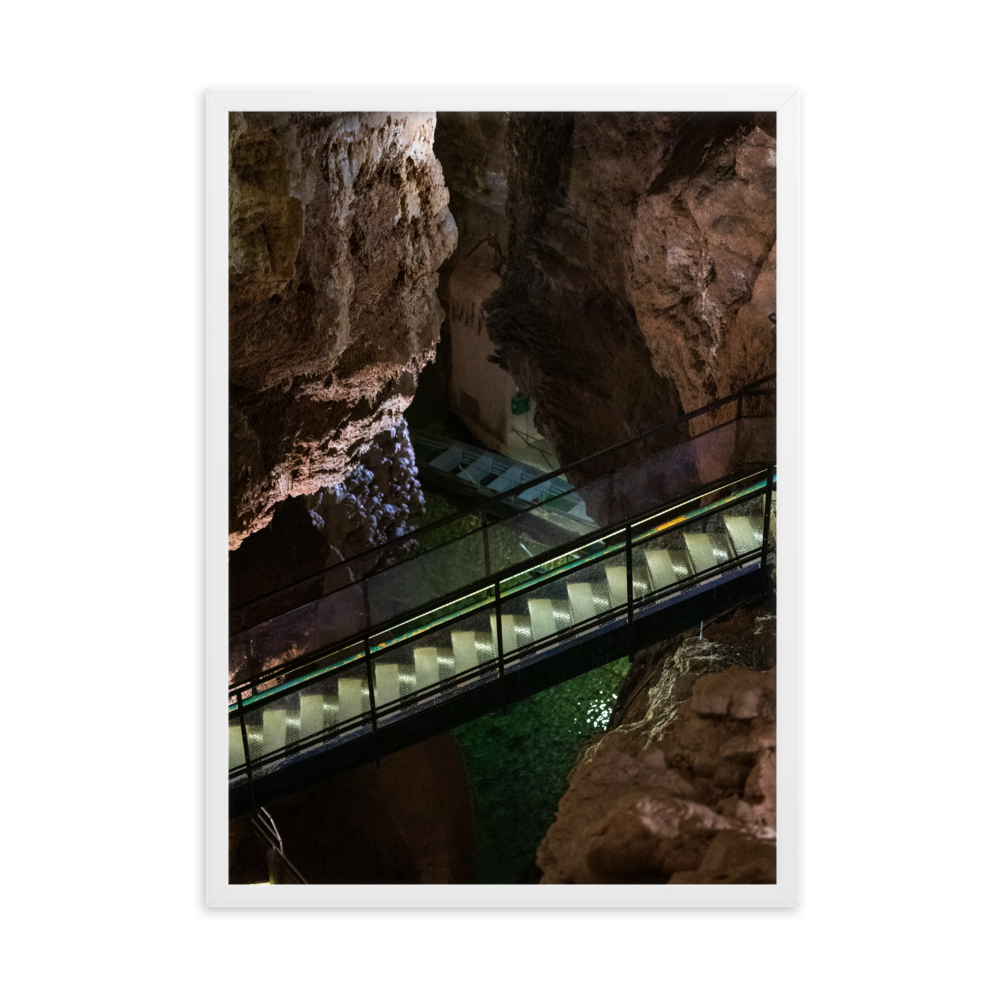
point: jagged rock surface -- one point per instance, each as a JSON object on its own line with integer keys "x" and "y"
{"x": 640, "y": 275}
{"x": 312, "y": 533}
{"x": 683, "y": 789}
{"x": 338, "y": 225}
{"x": 472, "y": 148}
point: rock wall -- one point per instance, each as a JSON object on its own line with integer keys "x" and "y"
{"x": 338, "y": 225}
{"x": 640, "y": 275}
{"x": 472, "y": 148}
{"x": 682, "y": 789}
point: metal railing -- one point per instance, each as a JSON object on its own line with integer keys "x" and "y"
{"x": 496, "y": 547}
{"x": 486, "y": 604}
{"x": 280, "y": 868}
{"x": 495, "y": 510}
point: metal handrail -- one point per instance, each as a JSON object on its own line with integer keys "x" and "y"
{"x": 481, "y": 508}
{"x": 495, "y": 663}
{"x": 526, "y": 655}
{"x": 311, "y": 662}
{"x": 494, "y": 579}
{"x": 272, "y": 838}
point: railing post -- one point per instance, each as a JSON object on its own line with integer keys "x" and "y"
{"x": 486, "y": 542}
{"x": 628, "y": 584}
{"x": 371, "y": 696}
{"x": 766, "y": 534}
{"x": 738, "y": 455}
{"x": 503, "y": 691}
{"x": 368, "y": 609}
{"x": 246, "y": 749}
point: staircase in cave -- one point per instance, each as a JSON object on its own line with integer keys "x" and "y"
{"x": 443, "y": 650}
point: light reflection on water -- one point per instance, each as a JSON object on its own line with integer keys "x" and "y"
{"x": 518, "y": 766}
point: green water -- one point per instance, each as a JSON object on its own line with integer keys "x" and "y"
{"x": 518, "y": 765}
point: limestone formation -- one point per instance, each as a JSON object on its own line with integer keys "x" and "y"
{"x": 338, "y": 225}
{"x": 640, "y": 277}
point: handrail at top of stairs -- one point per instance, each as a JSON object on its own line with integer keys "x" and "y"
{"x": 268, "y": 832}
{"x": 750, "y": 389}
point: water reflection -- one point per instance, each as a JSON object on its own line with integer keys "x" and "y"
{"x": 518, "y": 766}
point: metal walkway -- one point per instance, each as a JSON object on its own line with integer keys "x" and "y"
{"x": 446, "y": 639}
{"x": 476, "y": 472}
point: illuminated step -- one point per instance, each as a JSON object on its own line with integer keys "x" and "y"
{"x": 701, "y": 551}
{"x": 706, "y": 551}
{"x": 386, "y": 683}
{"x": 746, "y": 536}
{"x": 542, "y": 615}
{"x": 661, "y": 568}
{"x": 275, "y": 727}
{"x": 584, "y": 602}
{"x": 618, "y": 583}
{"x": 352, "y": 698}
{"x": 486, "y": 648}
{"x": 510, "y": 637}
{"x": 236, "y": 756}
{"x": 310, "y": 714}
{"x": 463, "y": 645}
{"x": 425, "y": 662}
{"x": 522, "y": 630}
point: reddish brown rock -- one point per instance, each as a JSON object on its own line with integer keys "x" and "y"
{"x": 683, "y": 789}
{"x": 702, "y": 268}
{"x": 733, "y": 858}
{"x": 640, "y": 277}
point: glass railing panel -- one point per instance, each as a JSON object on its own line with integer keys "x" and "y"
{"x": 756, "y": 436}
{"x": 614, "y": 499}
{"x": 398, "y": 590}
{"x": 433, "y": 618}
{"x": 583, "y": 584}
{"x": 582, "y": 591}
{"x": 432, "y": 660}
{"x": 307, "y": 670}
{"x": 333, "y": 617}
{"x": 237, "y": 757}
{"x": 675, "y": 556}
{"x": 516, "y": 540}
{"x": 315, "y": 626}
{"x": 743, "y": 525}
{"x": 281, "y": 723}
{"x": 332, "y": 704}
